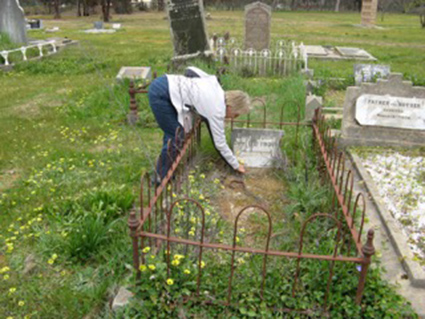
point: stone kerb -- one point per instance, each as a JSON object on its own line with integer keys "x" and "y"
{"x": 361, "y": 135}
{"x": 257, "y": 26}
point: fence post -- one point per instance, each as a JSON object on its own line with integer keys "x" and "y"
{"x": 368, "y": 251}
{"x": 133, "y": 116}
{"x": 133, "y": 224}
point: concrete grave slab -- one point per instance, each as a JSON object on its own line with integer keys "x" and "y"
{"x": 352, "y": 52}
{"x": 99, "y": 31}
{"x": 258, "y": 147}
{"x": 316, "y": 50}
{"x": 12, "y": 21}
{"x": 135, "y": 73}
{"x": 388, "y": 113}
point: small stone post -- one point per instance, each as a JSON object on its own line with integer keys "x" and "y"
{"x": 133, "y": 116}
{"x": 368, "y": 251}
{"x": 133, "y": 224}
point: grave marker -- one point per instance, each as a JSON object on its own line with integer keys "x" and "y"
{"x": 369, "y": 11}
{"x": 188, "y": 28}
{"x": 135, "y": 73}
{"x": 388, "y": 113}
{"x": 257, "y": 147}
{"x": 12, "y": 21}
{"x": 257, "y": 26}
{"x": 368, "y": 72}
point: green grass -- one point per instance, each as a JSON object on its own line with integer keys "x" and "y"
{"x": 69, "y": 165}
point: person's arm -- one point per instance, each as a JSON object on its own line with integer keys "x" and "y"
{"x": 216, "y": 128}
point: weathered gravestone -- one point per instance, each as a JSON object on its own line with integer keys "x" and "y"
{"x": 258, "y": 147}
{"x": 388, "y": 113}
{"x": 98, "y": 25}
{"x": 12, "y": 21}
{"x": 369, "y": 11}
{"x": 257, "y": 26}
{"x": 369, "y": 72}
{"x": 188, "y": 29}
{"x": 312, "y": 102}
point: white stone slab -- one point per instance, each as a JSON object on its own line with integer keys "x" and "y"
{"x": 96, "y": 31}
{"x": 315, "y": 50}
{"x": 135, "y": 73}
{"x": 257, "y": 147}
{"x": 352, "y": 52}
{"x": 391, "y": 111}
{"x": 116, "y": 26}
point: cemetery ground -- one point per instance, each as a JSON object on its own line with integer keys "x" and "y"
{"x": 70, "y": 168}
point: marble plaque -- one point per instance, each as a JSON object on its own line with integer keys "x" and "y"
{"x": 352, "y": 52}
{"x": 135, "y": 73}
{"x": 257, "y": 147}
{"x": 391, "y": 111}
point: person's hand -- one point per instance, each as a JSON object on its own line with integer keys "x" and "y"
{"x": 241, "y": 169}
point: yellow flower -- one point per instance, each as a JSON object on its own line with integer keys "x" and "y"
{"x": 10, "y": 317}
{"x": 170, "y": 281}
{"x": 237, "y": 239}
{"x": 4, "y": 269}
{"x": 21, "y": 303}
{"x": 193, "y": 220}
{"x": 201, "y": 197}
{"x": 175, "y": 262}
{"x": 146, "y": 250}
{"x": 51, "y": 261}
{"x": 191, "y": 233}
{"x": 177, "y": 256}
{"x": 142, "y": 267}
{"x": 54, "y": 256}
{"x": 12, "y": 290}
{"x": 241, "y": 261}
{"x": 152, "y": 267}
{"x": 202, "y": 175}
{"x": 187, "y": 271}
{"x": 202, "y": 264}
{"x": 207, "y": 212}
{"x": 6, "y": 277}
{"x": 216, "y": 181}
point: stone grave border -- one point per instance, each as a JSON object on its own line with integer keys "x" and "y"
{"x": 397, "y": 237}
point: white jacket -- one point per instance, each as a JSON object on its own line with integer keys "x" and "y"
{"x": 206, "y": 96}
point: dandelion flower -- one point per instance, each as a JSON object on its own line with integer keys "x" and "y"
{"x": 51, "y": 261}
{"x": 201, "y": 197}
{"x": 4, "y": 269}
{"x": 54, "y": 256}
{"x": 191, "y": 233}
{"x": 12, "y": 290}
{"x": 202, "y": 264}
{"x": 216, "y": 181}
{"x": 146, "y": 250}
{"x": 175, "y": 262}
{"x": 177, "y": 256}
{"x": 202, "y": 175}
{"x": 152, "y": 267}
{"x": 187, "y": 271}
{"x": 6, "y": 277}
{"x": 170, "y": 281}
{"x": 21, "y": 303}
{"x": 142, "y": 267}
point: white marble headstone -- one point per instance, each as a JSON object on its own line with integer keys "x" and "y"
{"x": 391, "y": 111}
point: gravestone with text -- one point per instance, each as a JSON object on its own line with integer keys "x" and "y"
{"x": 369, "y": 72}
{"x": 387, "y": 113}
{"x": 12, "y": 21}
{"x": 188, "y": 28}
{"x": 258, "y": 147}
{"x": 369, "y": 11}
{"x": 257, "y": 26}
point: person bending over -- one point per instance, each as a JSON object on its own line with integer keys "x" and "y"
{"x": 174, "y": 99}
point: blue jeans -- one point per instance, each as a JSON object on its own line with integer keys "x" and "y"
{"x": 166, "y": 117}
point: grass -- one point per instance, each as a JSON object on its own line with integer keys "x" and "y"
{"x": 69, "y": 167}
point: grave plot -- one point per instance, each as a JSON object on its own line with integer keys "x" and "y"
{"x": 284, "y": 240}
{"x": 400, "y": 181}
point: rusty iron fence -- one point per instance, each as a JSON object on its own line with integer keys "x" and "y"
{"x": 153, "y": 224}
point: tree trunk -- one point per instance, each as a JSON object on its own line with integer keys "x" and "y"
{"x": 57, "y": 9}
{"x": 78, "y": 8}
{"x": 161, "y": 5}
{"x": 422, "y": 19}
{"x": 338, "y": 2}
{"x": 106, "y": 5}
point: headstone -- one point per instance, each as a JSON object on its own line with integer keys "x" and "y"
{"x": 35, "y": 24}
{"x": 134, "y": 73}
{"x": 258, "y": 147}
{"x": 188, "y": 27}
{"x": 12, "y": 21}
{"x": 116, "y": 26}
{"x": 369, "y": 72}
{"x": 257, "y": 26}
{"x": 98, "y": 25}
{"x": 387, "y": 113}
{"x": 369, "y": 11}
{"x": 312, "y": 102}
